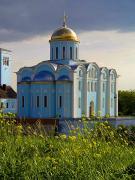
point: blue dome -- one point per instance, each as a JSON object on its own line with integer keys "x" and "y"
{"x": 44, "y": 76}
{"x": 63, "y": 78}
{"x": 26, "y": 78}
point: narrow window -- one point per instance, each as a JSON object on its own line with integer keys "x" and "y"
{"x": 7, "y": 62}
{"x": 112, "y": 102}
{"x": 71, "y": 56}
{"x": 112, "y": 88}
{"x": 79, "y": 85}
{"x": 7, "y": 105}
{"x": 91, "y": 86}
{"x": 60, "y": 101}
{"x": 103, "y": 87}
{"x": 79, "y": 102}
{"x": 37, "y": 101}
{"x": 52, "y": 53}
{"x": 45, "y": 101}
{"x": 63, "y": 52}
{"x": 23, "y": 101}
{"x": 103, "y": 103}
{"x": 76, "y": 53}
{"x": 80, "y": 73}
{"x": 31, "y": 100}
{"x": 56, "y": 52}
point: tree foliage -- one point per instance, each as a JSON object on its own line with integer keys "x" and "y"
{"x": 126, "y": 103}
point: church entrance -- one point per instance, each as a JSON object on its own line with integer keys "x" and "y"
{"x": 91, "y": 109}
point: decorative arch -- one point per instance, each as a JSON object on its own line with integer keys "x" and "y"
{"x": 82, "y": 68}
{"x": 44, "y": 76}
{"x": 113, "y": 72}
{"x": 25, "y": 74}
{"x": 45, "y": 66}
{"x": 93, "y": 66}
{"x": 63, "y": 78}
{"x": 104, "y": 73}
{"x": 63, "y": 71}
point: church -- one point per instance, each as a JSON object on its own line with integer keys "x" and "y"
{"x": 66, "y": 86}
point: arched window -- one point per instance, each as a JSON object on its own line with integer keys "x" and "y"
{"x": 79, "y": 85}
{"x": 80, "y": 73}
{"x": 103, "y": 102}
{"x": 91, "y": 86}
{"x": 79, "y": 102}
{"x": 52, "y": 53}
{"x": 45, "y": 101}
{"x": 112, "y": 88}
{"x": 104, "y": 75}
{"x": 71, "y": 53}
{"x": 60, "y": 101}
{"x": 112, "y": 77}
{"x": 95, "y": 88}
{"x": 76, "y": 53}
{"x": 111, "y": 102}
{"x": 56, "y": 52}
{"x": 63, "y": 51}
{"x": 92, "y": 73}
{"x": 103, "y": 87}
{"x": 37, "y": 101}
{"x": 22, "y": 101}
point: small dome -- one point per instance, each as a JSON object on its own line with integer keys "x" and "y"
{"x": 64, "y": 34}
{"x": 63, "y": 78}
{"x": 44, "y": 76}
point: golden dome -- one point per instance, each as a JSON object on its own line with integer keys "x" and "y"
{"x": 64, "y": 34}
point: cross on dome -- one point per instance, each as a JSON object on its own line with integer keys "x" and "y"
{"x": 65, "y": 20}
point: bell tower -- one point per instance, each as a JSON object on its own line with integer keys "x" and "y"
{"x": 5, "y": 67}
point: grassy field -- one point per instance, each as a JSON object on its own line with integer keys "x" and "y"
{"x": 101, "y": 153}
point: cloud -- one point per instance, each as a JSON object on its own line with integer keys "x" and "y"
{"x": 22, "y": 19}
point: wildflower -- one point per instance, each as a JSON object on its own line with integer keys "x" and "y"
{"x": 94, "y": 143}
{"x": 19, "y": 128}
{"x": 41, "y": 136}
{"x": 63, "y": 136}
{"x": 72, "y": 138}
{"x": 98, "y": 155}
{"x": 112, "y": 134}
{"x": 84, "y": 140}
{"x": 90, "y": 145}
{"x": 29, "y": 128}
{"x": 48, "y": 158}
{"x": 57, "y": 137}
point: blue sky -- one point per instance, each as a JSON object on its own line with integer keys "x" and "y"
{"x": 106, "y": 29}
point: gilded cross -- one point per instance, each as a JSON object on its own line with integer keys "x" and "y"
{"x": 65, "y": 20}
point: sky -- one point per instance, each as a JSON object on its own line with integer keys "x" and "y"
{"x": 106, "y": 29}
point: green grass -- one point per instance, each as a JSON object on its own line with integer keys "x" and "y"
{"x": 101, "y": 153}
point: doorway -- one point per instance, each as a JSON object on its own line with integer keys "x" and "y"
{"x": 91, "y": 109}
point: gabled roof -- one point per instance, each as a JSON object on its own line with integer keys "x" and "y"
{"x": 7, "y": 92}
